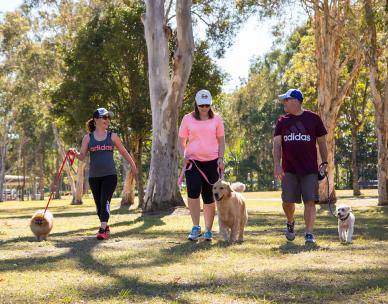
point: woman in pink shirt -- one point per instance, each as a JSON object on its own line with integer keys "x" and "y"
{"x": 202, "y": 142}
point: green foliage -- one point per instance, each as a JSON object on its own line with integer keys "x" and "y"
{"x": 107, "y": 68}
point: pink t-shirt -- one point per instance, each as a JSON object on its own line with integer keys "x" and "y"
{"x": 202, "y": 135}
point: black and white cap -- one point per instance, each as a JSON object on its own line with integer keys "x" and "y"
{"x": 100, "y": 112}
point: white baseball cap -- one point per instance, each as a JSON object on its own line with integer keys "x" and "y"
{"x": 203, "y": 97}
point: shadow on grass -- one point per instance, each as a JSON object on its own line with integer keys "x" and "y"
{"x": 304, "y": 286}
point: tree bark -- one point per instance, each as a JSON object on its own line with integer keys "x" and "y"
{"x": 328, "y": 28}
{"x": 3, "y": 153}
{"x": 79, "y": 188}
{"x": 166, "y": 96}
{"x": 42, "y": 156}
{"x": 128, "y": 196}
{"x": 379, "y": 89}
{"x": 356, "y": 187}
{"x": 139, "y": 179}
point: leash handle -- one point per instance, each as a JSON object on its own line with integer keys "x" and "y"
{"x": 70, "y": 157}
{"x": 182, "y": 175}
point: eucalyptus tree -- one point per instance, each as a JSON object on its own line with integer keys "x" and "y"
{"x": 376, "y": 16}
{"x": 168, "y": 80}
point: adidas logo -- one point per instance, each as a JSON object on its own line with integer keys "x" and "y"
{"x": 296, "y": 137}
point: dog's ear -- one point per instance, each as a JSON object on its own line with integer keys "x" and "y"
{"x": 229, "y": 190}
{"x": 350, "y": 209}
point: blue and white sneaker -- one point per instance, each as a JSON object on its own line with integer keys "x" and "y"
{"x": 208, "y": 236}
{"x": 195, "y": 233}
{"x": 309, "y": 238}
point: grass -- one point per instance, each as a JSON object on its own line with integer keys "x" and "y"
{"x": 148, "y": 260}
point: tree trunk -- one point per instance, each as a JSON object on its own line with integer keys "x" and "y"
{"x": 86, "y": 174}
{"x": 128, "y": 196}
{"x": 139, "y": 180}
{"x": 128, "y": 193}
{"x": 79, "y": 188}
{"x": 328, "y": 28}
{"x": 3, "y": 152}
{"x": 356, "y": 187}
{"x": 63, "y": 154}
{"x": 54, "y": 176}
{"x": 41, "y": 171}
{"x": 379, "y": 89}
{"x": 166, "y": 95}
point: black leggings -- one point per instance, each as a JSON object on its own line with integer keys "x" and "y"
{"x": 102, "y": 189}
{"x": 196, "y": 184}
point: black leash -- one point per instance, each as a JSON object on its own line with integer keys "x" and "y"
{"x": 328, "y": 197}
{"x": 322, "y": 173}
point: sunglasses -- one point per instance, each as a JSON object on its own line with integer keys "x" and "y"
{"x": 204, "y": 106}
{"x": 105, "y": 117}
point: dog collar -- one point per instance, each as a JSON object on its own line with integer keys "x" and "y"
{"x": 345, "y": 218}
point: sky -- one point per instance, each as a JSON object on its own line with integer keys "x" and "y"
{"x": 253, "y": 40}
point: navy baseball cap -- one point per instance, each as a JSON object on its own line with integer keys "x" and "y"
{"x": 292, "y": 93}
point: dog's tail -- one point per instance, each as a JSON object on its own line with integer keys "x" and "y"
{"x": 238, "y": 187}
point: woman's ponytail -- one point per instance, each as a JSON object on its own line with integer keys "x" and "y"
{"x": 91, "y": 125}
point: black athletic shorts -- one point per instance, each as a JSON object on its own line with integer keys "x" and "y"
{"x": 196, "y": 183}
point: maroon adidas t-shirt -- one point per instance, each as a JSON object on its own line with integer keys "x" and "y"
{"x": 299, "y": 135}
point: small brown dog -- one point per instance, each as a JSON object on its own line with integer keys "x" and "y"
{"x": 232, "y": 213}
{"x": 41, "y": 225}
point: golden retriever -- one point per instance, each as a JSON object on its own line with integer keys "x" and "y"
{"x": 231, "y": 210}
{"x": 41, "y": 226}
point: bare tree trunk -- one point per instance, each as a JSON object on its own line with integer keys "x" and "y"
{"x": 63, "y": 154}
{"x": 86, "y": 174}
{"x": 3, "y": 153}
{"x": 79, "y": 188}
{"x": 139, "y": 164}
{"x": 329, "y": 30}
{"x": 379, "y": 89}
{"x": 356, "y": 187}
{"x": 42, "y": 156}
{"x": 24, "y": 177}
{"x": 128, "y": 195}
{"x": 166, "y": 96}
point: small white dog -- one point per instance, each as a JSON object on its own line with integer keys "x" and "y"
{"x": 346, "y": 221}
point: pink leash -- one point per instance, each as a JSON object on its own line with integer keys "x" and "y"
{"x": 192, "y": 161}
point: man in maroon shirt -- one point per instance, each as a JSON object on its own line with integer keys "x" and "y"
{"x": 295, "y": 160}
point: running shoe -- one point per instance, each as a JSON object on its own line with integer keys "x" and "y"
{"x": 290, "y": 233}
{"x": 208, "y": 236}
{"x": 195, "y": 233}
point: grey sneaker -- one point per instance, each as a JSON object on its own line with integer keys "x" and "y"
{"x": 208, "y": 236}
{"x": 195, "y": 233}
{"x": 309, "y": 238}
{"x": 290, "y": 233}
